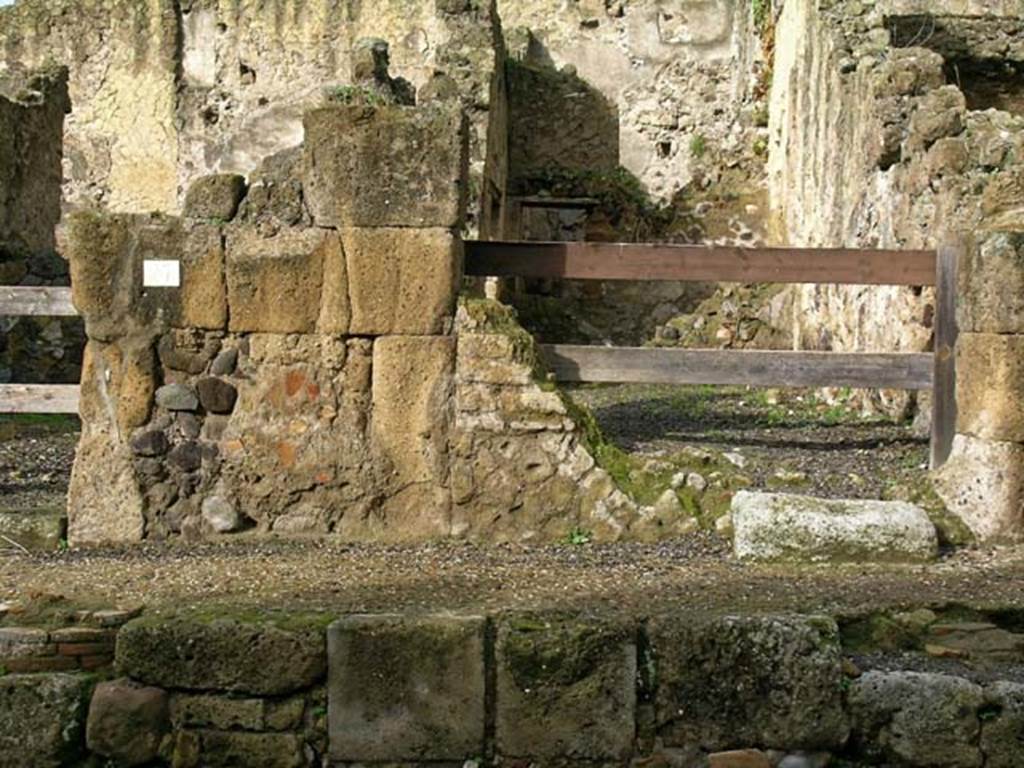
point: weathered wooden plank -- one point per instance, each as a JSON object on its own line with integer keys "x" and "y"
{"x": 753, "y": 368}
{"x": 944, "y": 393}
{"x": 40, "y": 301}
{"x": 628, "y": 261}
{"x": 39, "y": 398}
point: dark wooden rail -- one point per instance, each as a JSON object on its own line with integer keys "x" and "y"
{"x": 697, "y": 263}
{"x": 621, "y": 261}
{"x": 627, "y": 261}
{"x": 643, "y": 365}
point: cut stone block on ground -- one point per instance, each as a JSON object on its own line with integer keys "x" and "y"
{"x": 790, "y": 528}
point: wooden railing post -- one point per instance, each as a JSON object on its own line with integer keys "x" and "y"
{"x": 946, "y": 331}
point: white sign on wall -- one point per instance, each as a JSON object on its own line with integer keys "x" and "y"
{"x": 161, "y": 273}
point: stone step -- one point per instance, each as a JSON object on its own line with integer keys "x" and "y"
{"x": 779, "y": 527}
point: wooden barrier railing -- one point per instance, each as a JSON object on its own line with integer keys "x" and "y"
{"x": 37, "y": 398}
{"x": 615, "y": 261}
{"x": 869, "y": 370}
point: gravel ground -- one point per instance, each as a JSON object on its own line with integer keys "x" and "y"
{"x": 694, "y": 573}
{"x": 842, "y": 454}
{"x": 36, "y": 453}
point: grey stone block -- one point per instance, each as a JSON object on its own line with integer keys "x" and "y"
{"x": 729, "y": 682}
{"x": 239, "y": 655}
{"x": 42, "y": 719}
{"x": 566, "y": 688}
{"x": 916, "y": 719}
{"x": 406, "y": 688}
{"x": 785, "y": 527}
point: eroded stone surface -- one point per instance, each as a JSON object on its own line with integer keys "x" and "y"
{"x": 42, "y": 719}
{"x": 566, "y": 688}
{"x": 386, "y": 166}
{"x": 242, "y": 656}
{"x": 1002, "y": 730}
{"x": 713, "y": 674}
{"x": 990, "y": 386}
{"x": 412, "y": 387}
{"x": 274, "y": 283}
{"x": 992, "y": 284}
{"x": 785, "y": 527}
{"x": 982, "y": 483}
{"x": 215, "y": 197}
{"x": 127, "y": 722}
{"x": 917, "y": 719}
{"x": 406, "y": 689}
{"x": 412, "y": 290}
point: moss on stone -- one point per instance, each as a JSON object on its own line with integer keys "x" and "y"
{"x": 879, "y": 632}
{"x": 556, "y": 653}
{"x": 288, "y": 621}
{"x": 920, "y": 490}
{"x": 489, "y": 316}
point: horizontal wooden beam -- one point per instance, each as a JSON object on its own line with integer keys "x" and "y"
{"x": 40, "y": 301}
{"x": 627, "y": 261}
{"x": 39, "y": 398}
{"x": 642, "y": 365}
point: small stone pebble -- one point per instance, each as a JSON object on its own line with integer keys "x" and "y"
{"x": 188, "y": 456}
{"x": 151, "y": 443}
{"x": 736, "y": 459}
{"x": 177, "y": 397}
{"x": 216, "y": 395}
{"x": 190, "y": 426}
{"x": 221, "y": 515}
{"x": 697, "y": 482}
{"x": 225, "y": 362}
{"x": 115, "y": 617}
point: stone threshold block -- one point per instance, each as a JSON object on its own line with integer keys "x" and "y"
{"x": 404, "y": 688}
{"x": 781, "y": 527}
{"x": 566, "y": 688}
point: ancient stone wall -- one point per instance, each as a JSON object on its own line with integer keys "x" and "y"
{"x": 166, "y": 92}
{"x": 221, "y": 687}
{"x": 321, "y": 294}
{"x": 309, "y": 376}
{"x": 671, "y": 72}
{"x": 635, "y": 121}
{"x": 32, "y": 110}
{"x": 879, "y": 140}
{"x": 874, "y": 145}
{"x": 121, "y": 147}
